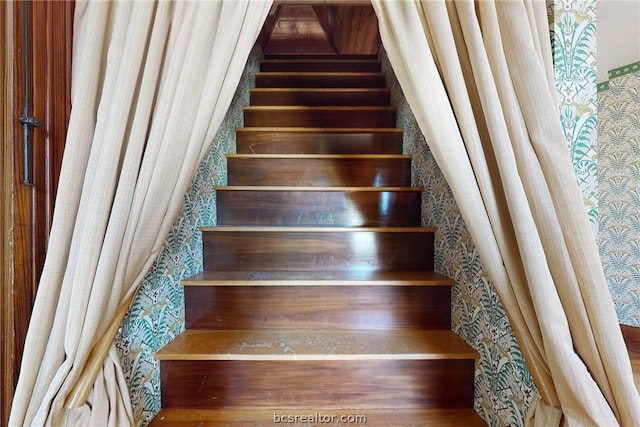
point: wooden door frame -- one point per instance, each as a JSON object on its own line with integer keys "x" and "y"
{"x": 26, "y": 210}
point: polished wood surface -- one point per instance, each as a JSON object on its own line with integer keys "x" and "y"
{"x": 458, "y": 417}
{"x": 325, "y": 249}
{"x": 271, "y": 140}
{"x": 332, "y": 206}
{"x": 309, "y": 306}
{"x": 372, "y": 384}
{"x": 317, "y": 345}
{"x": 27, "y": 209}
{"x": 319, "y": 97}
{"x": 319, "y": 79}
{"x": 318, "y": 289}
{"x": 330, "y": 116}
{"x": 334, "y": 65}
{"x": 345, "y": 170}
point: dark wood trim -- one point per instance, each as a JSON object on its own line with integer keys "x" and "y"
{"x": 6, "y": 220}
{"x": 631, "y": 336}
{"x": 26, "y": 211}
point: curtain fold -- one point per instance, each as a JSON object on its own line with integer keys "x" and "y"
{"x": 152, "y": 82}
{"x": 479, "y": 80}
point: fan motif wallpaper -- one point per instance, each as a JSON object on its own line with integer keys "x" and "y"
{"x": 504, "y": 387}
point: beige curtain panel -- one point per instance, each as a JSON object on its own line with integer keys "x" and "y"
{"x": 478, "y": 77}
{"x": 151, "y": 84}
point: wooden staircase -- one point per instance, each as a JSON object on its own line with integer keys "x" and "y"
{"x": 318, "y": 303}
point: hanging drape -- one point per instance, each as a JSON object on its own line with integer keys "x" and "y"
{"x": 478, "y": 77}
{"x": 151, "y": 83}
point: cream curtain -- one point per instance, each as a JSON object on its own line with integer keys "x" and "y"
{"x": 478, "y": 77}
{"x": 151, "y": 84}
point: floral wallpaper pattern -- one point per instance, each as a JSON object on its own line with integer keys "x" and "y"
{"x": 574, "y": 56}
{"x": 503, "y": 385}
{"x": 157, "y": 312}
{"x": 619, "y": 163}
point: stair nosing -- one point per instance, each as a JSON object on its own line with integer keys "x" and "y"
{"x": 318, "y": 156}
{"x": 318, "y": 108}
{"x": 320, "y": 89}
{"x": 319, "y": 278}
{"x": 317, "y": 129}
{"x": 322, "y": 73}
{"x": 265, "y": 188}
{"x": 331, "y": 229}
{"x": 278, "y": 345}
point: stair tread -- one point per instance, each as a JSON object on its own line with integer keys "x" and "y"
{"x": 466, "y": 417}
{"x": 318, "y": 278}
{"x": 311, "y": 130}
{"x": 291, "y": 229}
{"x": 319, "y": 108}
{"x": 324, "y": 189}
{"x": 317, "y": 345}
{"x": 320, "y": 89}
{"x": 318, "y": 156}
{"x": 321, "y": 73}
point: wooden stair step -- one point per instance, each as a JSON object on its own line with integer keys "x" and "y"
{"x": 329, "y": 57}
{"x": 340, "y": 300}
{"x": 317, "y": 278}
{"x": 292, "y": 140}
{"x": 319, "y": 170}
{"x": 315, "y": 206}
{"x": 317, "y": 345}
{"x": 335, "y": 65}
{"x": 327, "y": 368}
{"x": 318, "y": 248}
{"x": 320, "y": 96}
{"x": 320, "y": 79}
{"x": 322, "y": 116}
{"x": 462, "y": 417}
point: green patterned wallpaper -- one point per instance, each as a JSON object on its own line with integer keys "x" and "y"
{"x": 503, "y": 385}
{"x": 619, "y": 162}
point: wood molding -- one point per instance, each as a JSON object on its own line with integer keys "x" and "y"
{"x": 631, "y": 335}
{"x": 6, "y": 219}
{"x": 26, "y": 211}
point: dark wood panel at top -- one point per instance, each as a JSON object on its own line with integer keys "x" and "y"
{"x": 373, "y": 384}
{"x": 318, "y": 307}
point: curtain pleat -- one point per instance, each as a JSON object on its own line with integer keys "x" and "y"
{"x": 479, "y": 79}
{"x": 152, "y": 82}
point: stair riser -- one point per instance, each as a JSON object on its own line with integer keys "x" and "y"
{"x": 320, "y": 172}
{"x": 372, "y": 66}
{"x": 319, "y": 98}
{"x": 291, "y": 142}
{"x": 323, "y": 117}
{"x": 324, "y": 251}
{"x": 318, "y": 307}
{"x": 310, "y": 208}
{"x": 308, "y": 80}
{"x": 365, "y": 384}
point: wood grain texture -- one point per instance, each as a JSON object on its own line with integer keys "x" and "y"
{"x": 319, "y": 170}
{"x": 329, "y": 249}
{"x": 265, "y": 417}
{"x": 262, "y": 140}
{"x": 321, "y": 65}
{"x": 631, "y": 335}
{"x": 319, "y": 97}
{"x": 317, "y": 206}
{"x": 370, "y": 384}
{"x": 328, "y": 116}
{"x": 319, "y": 79}
{"x": 318, "y": 307}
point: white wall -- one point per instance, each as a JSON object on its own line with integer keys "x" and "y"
{"x": 618, "y": 35}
